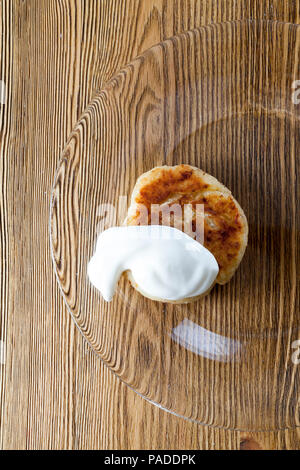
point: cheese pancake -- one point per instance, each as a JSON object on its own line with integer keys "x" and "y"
{"x": 225, "y": 225}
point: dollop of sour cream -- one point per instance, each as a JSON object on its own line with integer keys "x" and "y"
{"x": 165, "y": 263}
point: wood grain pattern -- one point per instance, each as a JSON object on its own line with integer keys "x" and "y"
{"x": 54, "y": 55}
{"x": 218, "y": 98}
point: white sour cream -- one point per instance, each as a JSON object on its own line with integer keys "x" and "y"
{"x": 165, "y": 263}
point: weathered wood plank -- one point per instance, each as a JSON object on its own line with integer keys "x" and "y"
{"x": 54, "y": 55}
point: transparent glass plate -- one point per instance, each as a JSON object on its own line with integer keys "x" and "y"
{"x": 223, "y": 98}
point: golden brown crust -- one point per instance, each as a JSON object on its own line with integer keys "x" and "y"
{"x": 225, "y": 224}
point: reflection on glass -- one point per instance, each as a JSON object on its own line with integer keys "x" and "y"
{"x": 206, "y": 343}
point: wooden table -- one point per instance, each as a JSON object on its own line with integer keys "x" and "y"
{"x": 55, "y": 393}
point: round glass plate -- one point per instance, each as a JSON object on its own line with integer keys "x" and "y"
{"x": 224, "y": 98}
